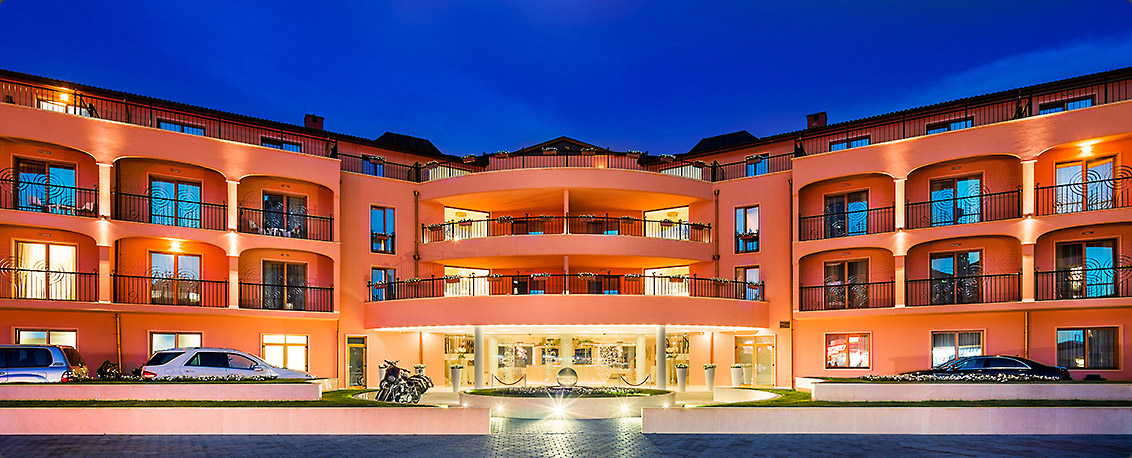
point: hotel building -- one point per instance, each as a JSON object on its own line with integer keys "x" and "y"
{"x": 995, "y": 224}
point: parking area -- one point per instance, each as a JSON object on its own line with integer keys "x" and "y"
{"x": 583, "y": 438}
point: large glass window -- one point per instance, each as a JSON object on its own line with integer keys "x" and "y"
{"x": 45, "y": 271}
{"x": 746, "y": 229}
{"x": 667, "y": 281}
{"x": 159, "y": 341}
{"x": 174, "y": 203}
{"x": 668, "y": 223}
{"x": 846, "y": 284}
{"x": 846, "y": 351}
{"x": 956, "y": 201}
{"x": 1086, "y": 269}
{"x": 46, "y": 187}
{"x": 758, "y": 164}
{"x": 950, "y": 277}
{"x": 289, "y": 351}
{"x": 46, "y": 337}
{"x": 175, "y": 279}
{"x": 847, "y": 214}
{"x": 460, "y": 281}
{"x": 1088, "y": 348}
{"x": 378, "y": 276}
{"x": 1085, "y": 185}
{"x": 285, "y": 285}
{"x": 950, "y": 345}
{"x": 285, "y": 215}
{"x": 382, "y": 229}
{"x": 179, "y": 127}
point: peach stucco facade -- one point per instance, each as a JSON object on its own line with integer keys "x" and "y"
{"x": 826, "y": 262}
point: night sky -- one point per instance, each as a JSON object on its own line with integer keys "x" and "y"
{"x": 653, "y": 76}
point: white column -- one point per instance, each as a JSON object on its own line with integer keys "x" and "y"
{"x": 898, "y": 277}
{"x": 479, "y": 356}
{"x": 661, "y": 358}
{"x": 642, "y": 365}
{"x": 233, "y": 205}
{"x": 900, "y": 200}
{"x": 1028, "y": 187}
{"x": 1029, "y": 276}
{"x": 566, "y": 350}
{"x": 104, "y": 179}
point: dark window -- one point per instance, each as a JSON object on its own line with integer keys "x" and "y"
{"x": 935, "y": 128}
{"x": 851, "y": 143}
{"x": 971, "y": 364}
{"x": 1087, "y": 348}
{"x": 379, "y": 276}
{"x": 281, "y": 144}
{"x": 28, "y": 357}
{"x": 285, "y": 215}
{"x": 1065, "y": 105}
{"x": 209, "y": 359}
{"x": 240, "y": 362}
{"x": 1086, "y": 269}
{"x": 179, "y": 127}
{"x": 951, "y": 281}
{"x": 161, "y": 358}
{"x": 847, "y": 214}
{"x": 285, "y": 285}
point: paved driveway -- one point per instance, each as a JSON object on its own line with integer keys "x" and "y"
{"x": 588, "y": 438}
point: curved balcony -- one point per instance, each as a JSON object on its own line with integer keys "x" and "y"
{"x": 547, "y": 251}
{"x": 576, "y": 299}
{"x": 559, "y": 225}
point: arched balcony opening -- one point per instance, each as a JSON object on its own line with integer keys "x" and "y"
{"x": 964, "y": 191}
{"x": 284, "y": 207}
{"x": 847, "y": 206}
{"x": 1084, "y": 262}
{"x": 847, "y": 279}
{"x": 170, "y": 193}
{"x": 47, "y": 264}
{"x": 164, "y": 271}
{"x": 969, "y": 270}
{"x": 1084, "y": 176}
{"x": 273, "y": 279}
{"x": 47, "y": 178}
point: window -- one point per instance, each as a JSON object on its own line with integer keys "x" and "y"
{"x": 846, "y": 284}
{"x": 956, "y": 201}
{"x": 284, "y": 215}
{"x": 240, "y": 362}
{"x": 460, "y": 281}
{"x": 63, "y": 107}
{"x": 49, "y": 188}
{"x": 209, "y": 359}
{"x": 1065, "y": 105}
{"x": 746, "y": 229}
{"x": 945, "y": 126}
{"x": 954, "y": 277}
{"x": 846, "y": 351}
{"x": 381, "y": 228}
{"x": 1087, "y": 348}
{"x": 1085, "y": 185}
{"x": 285, "y": 285}
{"x": 1086, "y": 269}
{"x": 45, "y": 271}
{"x": 281, "y": 144}
{"x": 667, "y": 281}
{"x": 851, "y": 143}
{"x": 174, "y": 126}
{"x": 288, "y": 351}
{"x": 174, "y": 203}
{"x": 175, "y": 279}
{"x": 160, "y": 341}
{"x": 758, "y": 164}
{"x": 378, "y": 276}
{"x": 847, "y": 214}
{"x": 665, "y": 223}
{"x": 751, "y": 275}
{"x": 950, "y": 345}
{"x": 46, "y": 337}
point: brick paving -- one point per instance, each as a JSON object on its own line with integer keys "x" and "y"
{"x": 588, "y": 438}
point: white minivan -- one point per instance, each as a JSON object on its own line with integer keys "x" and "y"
{"x": 212, "y": 362}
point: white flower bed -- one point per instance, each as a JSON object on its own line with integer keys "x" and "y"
{"x": 973, "y": 378}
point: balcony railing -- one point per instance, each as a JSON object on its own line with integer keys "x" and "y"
{"x": 286, "y": 297}
{"x": 130, "y": 289}
{"x": 48, "y": 285}
{"x": 845, "y": 224}
{"x": 1084, "y": 196}
{"x": 170, "y": 212}
{"x": 1082, "y": 283}
{"x": 539, "y": 225}
{"x": 538, "y": 284}
{"x": 283, "y": 224}
{"x": 847, "y": 296}
{"x": 964, "y": 210}
{"x": 48, "y": 198}
{"x": 973, "y": 289}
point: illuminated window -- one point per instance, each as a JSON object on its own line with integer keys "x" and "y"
{"x": 287, "y": 351}
{"x": 949, "y": 345}
{"x": 746, "y": 229}
{"x": 847, "y": 351}
{"x": 159, "y": 341}
{"x": 46, "y": 337}
{"x": 1088, "y": 348}
{"x": 381, "y": 228}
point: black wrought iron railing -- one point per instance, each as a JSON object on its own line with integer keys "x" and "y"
{"x": 964, "y": 210}
{"x": 751, "y": 167}
{"x": 48, "y": 285}
{"x": 1084, "y": 283}
{"x": 1083, "y": 196}
{"x": 283, "y": 224}
{"x": 845, "y": 224}
{"x": 286, "y": 297}
{"x": 591, "y": 224}
{"x": 536, "y": 284}
{"x": 170, "y": 212}
{"x": 847, "y": 296}
{"x": 131, "y": 289}
{"x": 48, "y": 198}
{"x": 972, "y": 289}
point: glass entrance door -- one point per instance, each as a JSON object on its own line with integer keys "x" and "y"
{"x": 355, "y": 362}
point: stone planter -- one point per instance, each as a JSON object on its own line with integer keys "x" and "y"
{"x": 454, "y": 376}
{"x": 749, "y": 374}
{"x": 736, "y": 376}
{"x": 709, "y": 378}
{"x": 681, "y": 378}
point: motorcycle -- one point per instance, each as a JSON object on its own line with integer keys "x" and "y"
{"x": 400, "y": 387}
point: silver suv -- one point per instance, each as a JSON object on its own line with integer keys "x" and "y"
{"x": 40, "y": 364}
{"x": 199, "y": 362}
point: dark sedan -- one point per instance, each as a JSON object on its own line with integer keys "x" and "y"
{"x": 994, "y": 365}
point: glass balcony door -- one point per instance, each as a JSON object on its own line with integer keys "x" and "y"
{"x": 285, "y": 215}
{"x": 844, "y": 284}
{"x": 1085, "y": 186}
{"x": 174, "y": 279}
{"x": 946, "y": 288}
{"x": 1086, "y": 269}
{"x": 45, "y": 187}
{"x": 46, "y": 271}
{"x": 956, "y": 201}
{"x": 847, "y": 214}
{"x": 174, "y": 203}
{"x": 285, "y": 285}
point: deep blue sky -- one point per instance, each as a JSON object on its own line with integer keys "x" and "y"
{"x": 631, "y": 74}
